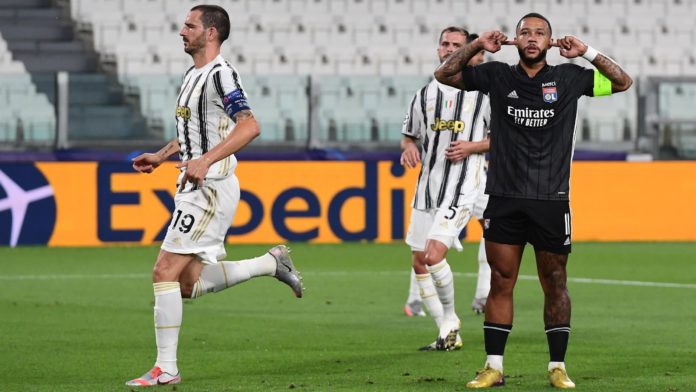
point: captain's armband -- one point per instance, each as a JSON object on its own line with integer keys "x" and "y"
{"x": 234, "y": 102}
{"x": 602, "y": 85}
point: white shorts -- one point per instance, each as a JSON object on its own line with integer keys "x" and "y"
{"x": 441, "y": 224}
{"x": 482, "y": 198}
{"x": 201, "y": 219}
{"x": 480, "y": 205}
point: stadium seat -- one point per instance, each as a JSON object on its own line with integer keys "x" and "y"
{"x": 25, "y": 112}
{"x": 374, "y": 37}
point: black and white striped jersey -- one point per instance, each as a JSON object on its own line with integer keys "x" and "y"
{"x": 439, "y": 115}
{"x": 208, "y": 99}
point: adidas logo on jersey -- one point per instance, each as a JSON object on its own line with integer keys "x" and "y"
{"x": 513, "y": 94}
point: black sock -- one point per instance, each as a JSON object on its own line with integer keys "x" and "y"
{"x": 557, "y": 336}
{"x": 495, "y": 337}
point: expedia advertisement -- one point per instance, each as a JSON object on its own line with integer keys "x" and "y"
{"x": 93, "y": 203}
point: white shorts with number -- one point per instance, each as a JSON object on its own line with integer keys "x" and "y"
{"x": 441, "y": 224}
{"x": 201, "y": 219}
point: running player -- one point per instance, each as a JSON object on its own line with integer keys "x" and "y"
{"x": 534, "y": 107}
{"x": 439, "y": 121}
{"x": 213, "y": 122}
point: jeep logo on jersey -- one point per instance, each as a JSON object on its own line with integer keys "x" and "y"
{"x": 27, "y": 206}
{"x": 183, "y": 112}
{"x": 451, "y": 125}
{"x": 527, "y": 117}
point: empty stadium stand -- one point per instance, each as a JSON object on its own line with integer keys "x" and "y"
{"x": 43, "y": 38}
{"x": 354, "y": 63}
{"x": 26, "y": 116}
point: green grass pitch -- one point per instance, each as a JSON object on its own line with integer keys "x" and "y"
{"x": 81, "y": 320}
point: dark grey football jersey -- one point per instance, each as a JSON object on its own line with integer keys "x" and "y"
{"x": 532, "y": 126}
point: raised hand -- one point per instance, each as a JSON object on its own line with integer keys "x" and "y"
{"x": 492, "y": 40}
{"x": 571, "y": 46}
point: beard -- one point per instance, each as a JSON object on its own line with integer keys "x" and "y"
{"x": 529, "y": 61}
{"x": 194, "y": 46}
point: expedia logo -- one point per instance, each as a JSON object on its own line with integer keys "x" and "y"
{"x": 451, "y": 125}
{"x": 183, "y": 112}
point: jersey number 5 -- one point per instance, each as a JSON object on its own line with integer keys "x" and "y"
{"x": 186, "y": 223}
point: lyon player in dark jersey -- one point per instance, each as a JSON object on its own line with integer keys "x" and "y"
{"x": 533, "y": 112}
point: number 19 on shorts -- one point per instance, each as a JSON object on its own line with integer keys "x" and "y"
{"x": 185, "y": 222}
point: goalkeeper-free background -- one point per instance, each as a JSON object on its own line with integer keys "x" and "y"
{"x": 80, "y": 319}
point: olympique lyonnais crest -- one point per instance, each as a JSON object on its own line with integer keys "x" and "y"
{"x": 550, "y": 94}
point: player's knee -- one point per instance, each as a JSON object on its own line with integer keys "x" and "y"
{"x": 502, "y": 282}
{"x": 433, "y": 257}
{"x": 186, "y": 290}
{"x": 502, "y": 275}
{"x": 419, "y": 265}
{"x": 554, "y": 279}
{"x": 160, "y": 273}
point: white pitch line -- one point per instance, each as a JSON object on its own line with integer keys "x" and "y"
{"x": 614, "y": 282}
{"x": 73, "y": 276}
{"x": 610, "y": 282}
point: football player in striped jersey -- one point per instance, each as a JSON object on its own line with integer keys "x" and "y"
{"x": 445, "y": 129}
{"x": 214, "y": 120}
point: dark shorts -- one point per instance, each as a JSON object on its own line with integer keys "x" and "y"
{"x": 545, "y": 224}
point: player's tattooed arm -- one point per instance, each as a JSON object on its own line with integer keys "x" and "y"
{"x": 171, "y": 148}
{"x": 148, "y": 162}
{"x": 571, "y": 47}
{"x": 620, "y": 81}
{"x": 243, "y": 115}
{"x": 450, "y": 71}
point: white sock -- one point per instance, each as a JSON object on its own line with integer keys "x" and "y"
{"x": 217, "y": 277}
{"x": 428, "y": 294}
{"x": 495, "y": 362}
{"x": 444, "y": 284}
{"x": 553, "y": 365}
{"x": 168, "y": 314}
{"x": 483, "y": 284}
{"x": 413, "y": 291}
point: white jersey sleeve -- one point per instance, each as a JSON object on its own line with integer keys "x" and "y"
{"x": 414, "y": 123}
{"x": 231, "y": 94}
{"x": 486, "y": 116}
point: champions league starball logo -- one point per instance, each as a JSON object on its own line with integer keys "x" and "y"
{"x": 27, "y": 207}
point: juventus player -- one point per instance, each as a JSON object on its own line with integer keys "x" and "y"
{"x": 460, "y": 150}
{"x": 533, "y": 111}
{"x": 414, "y": 303}
{"x": 441, "y": 120}
{"x": 213, "y": 122}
